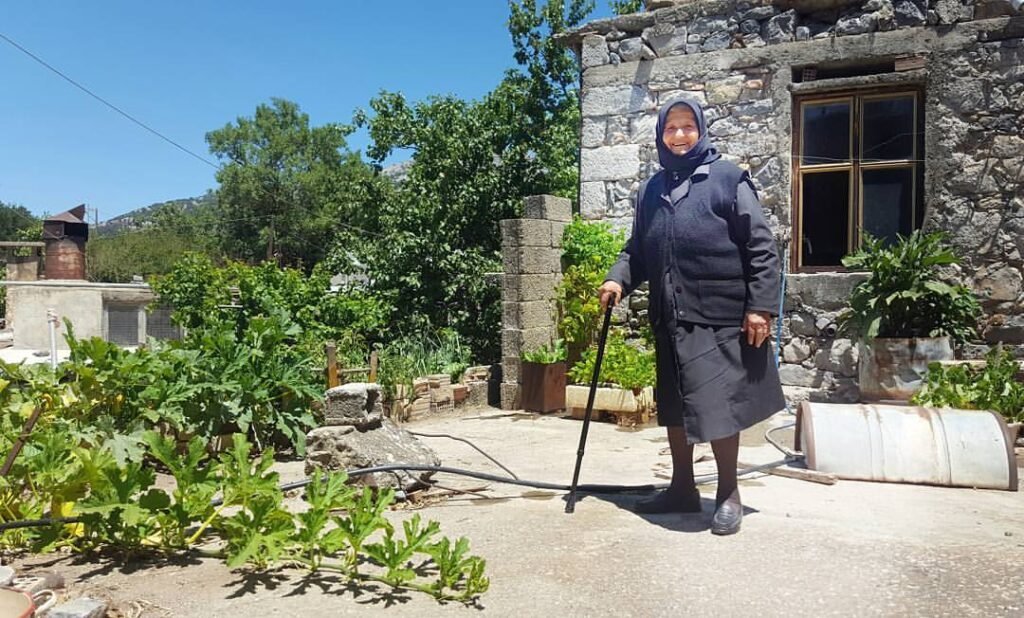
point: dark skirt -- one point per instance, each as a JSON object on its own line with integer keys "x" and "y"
{"x": 712, "y": 382}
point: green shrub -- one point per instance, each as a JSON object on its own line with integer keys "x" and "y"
{"x": 624, "y": 365}
{"x": 547, "y": 354}
{"x": 904, "y": 295}
{"x": 588, "y": 250}
{"x": 411, "y": 357}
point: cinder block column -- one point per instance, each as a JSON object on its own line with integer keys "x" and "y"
{"x": 531, "y": 250}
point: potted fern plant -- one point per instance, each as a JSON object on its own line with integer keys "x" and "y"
{"x": 905, "y": 314}
{"x": 542, "y": 374}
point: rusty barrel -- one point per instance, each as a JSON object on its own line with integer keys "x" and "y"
{"x": 908, "y": 444}
{"x": 893, "y": 369}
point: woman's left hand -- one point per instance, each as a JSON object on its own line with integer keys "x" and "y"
{"x": 756, "y": 325}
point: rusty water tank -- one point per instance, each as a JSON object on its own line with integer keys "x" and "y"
{"x": 908, "y": 444}
{"x": 893, "y": 369}
{"x": 65, "y": 236}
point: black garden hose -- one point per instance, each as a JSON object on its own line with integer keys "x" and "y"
{"x": 592, "y": 488}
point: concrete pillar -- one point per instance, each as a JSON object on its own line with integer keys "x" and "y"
{"x": 531, "y": 250}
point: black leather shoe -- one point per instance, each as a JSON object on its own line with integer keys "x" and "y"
{"x": 670, "y": 501}
{"x": 727, "y": 518}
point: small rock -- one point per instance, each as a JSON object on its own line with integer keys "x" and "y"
{"x": 803, "y": 324}
{"x": 796, "y": 351}
{"x": 79, "y": 608}
{"x": 357, "y": 404}
{"x": 346, "y": 448}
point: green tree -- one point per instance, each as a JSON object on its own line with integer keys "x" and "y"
{"x": 472, "y": 164}
{"x": 15, "y": 221}
{"x": 625, "y": 7}
{"x": 279, "y": 184}
{"x": 146, "y": 252}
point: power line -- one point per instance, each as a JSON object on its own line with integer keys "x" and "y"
{"x": 108, "y": 103}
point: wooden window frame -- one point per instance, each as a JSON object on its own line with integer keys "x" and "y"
{"x": 855, "y": 166}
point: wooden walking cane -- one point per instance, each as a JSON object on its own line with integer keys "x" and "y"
{"x": 570, "y": 505}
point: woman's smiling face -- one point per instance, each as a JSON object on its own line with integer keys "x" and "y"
{"x": 681, "y": 131}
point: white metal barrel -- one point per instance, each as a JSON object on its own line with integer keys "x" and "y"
{"x": 908, "y": 444}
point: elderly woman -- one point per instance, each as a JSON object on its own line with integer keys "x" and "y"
{"x": 700, "y": 238}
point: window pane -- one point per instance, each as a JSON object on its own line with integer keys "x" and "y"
{"x": 824, "y": 219}
{"x": 888, "y": 130}
{"x": 123, "y": 325}
{"x": 826, "y": 133}
{"x": 888, "y": 202}
{"x": 160, "y": 326}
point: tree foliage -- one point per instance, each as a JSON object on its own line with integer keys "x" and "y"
{"x": 472, "y": 164}
{"x": 625, "y": 7}
{"x": 16, "y": 220}
{"x": 279, "y": 186}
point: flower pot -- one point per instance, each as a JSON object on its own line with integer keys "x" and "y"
{"x": 624, "y": 405}
{"x": 893, "y": 369}
{"x": 543, "y": 386}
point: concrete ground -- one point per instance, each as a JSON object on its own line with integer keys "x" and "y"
{"x": 850, "y": 549}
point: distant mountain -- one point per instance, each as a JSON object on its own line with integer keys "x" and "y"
{"x": 140, "y": 217}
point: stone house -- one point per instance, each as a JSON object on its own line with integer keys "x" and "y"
{"x": 885, "y": 116}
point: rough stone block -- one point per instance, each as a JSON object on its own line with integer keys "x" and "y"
{"x": 510, "y": 396}
{"x": 593, "y": 132}
{"x": 797, "y": 351}
{"x": 544, "y": 260}
{"x": 515, "y": 341}
{"x": 593, "y": 200}
{"x": 594, "y": 51}
{"x": 725, "y": 90}
{"x": 547, "y": 207}
{"x": 631, "y": 49}
{"x": 345, "y": 448}
{"x": 525, "y": 233}
{"x": 643, "y": 128}
{"x": 610, "y": 162}
{"x": 523, "y": 288}
{"x": 557, "y": 231}
{"x": 530, "y": 314}
{"x": 840, "y": 358}
{"x": 357, "y": 404}
{"x": 665, "y": 41}
{"x": 511, "y": 366}
{"x": 79, "y": 608}
{"x": 829, "y": 291}
{"x": 617, "y": 100}
{"x": 477, "y": 396}
{"x": 795, "y": 375}
{"x": 479, "y": 373}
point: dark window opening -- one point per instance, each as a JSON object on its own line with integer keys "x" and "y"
{"x": 858, "y": 169}
{"x": 837, "y": 71}
{"x": 825, "y": 218}
{"x": 123, "y": 324}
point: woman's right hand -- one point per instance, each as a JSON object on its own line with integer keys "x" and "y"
{"x": 609, "y": 292}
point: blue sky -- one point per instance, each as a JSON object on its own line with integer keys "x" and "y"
{"x": 187, "y": 67}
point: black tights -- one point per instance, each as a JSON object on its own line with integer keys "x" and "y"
{"x": 726, "y": 451}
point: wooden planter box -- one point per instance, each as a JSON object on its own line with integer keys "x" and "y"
{"x": 623, "y": 405}
{"x": 543, "y": 386}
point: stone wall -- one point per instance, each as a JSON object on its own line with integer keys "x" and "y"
{"x": 738, "y": 59}
{"x": 531, "y": 250}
